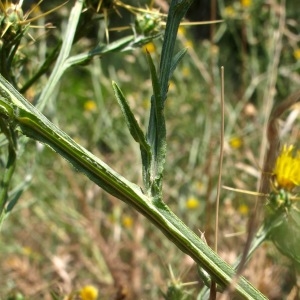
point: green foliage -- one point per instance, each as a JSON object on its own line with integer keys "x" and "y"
{"x": 66, "y": 232}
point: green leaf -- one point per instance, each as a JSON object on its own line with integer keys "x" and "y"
{"x": 131, "y": 121}
{"x": 136, "y": 133}
{"x": 285, "y": 235}
{"x": 178, "y": 8}
{"x": 15, "y": 195}
{"x": 60, "y": 67}
{"x": 8, "y": 130}
{"x": 176, "y": 60}
{"x": 156, "y": 131}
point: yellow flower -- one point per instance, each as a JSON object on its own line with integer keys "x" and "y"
{"x": 150, "y": 47}
{"x": 90, "y": 105}
{"x": 246, "y": 3}
{"x": 297, "y": 54}
{"x": 181, "y": 31}
{"x": 235, "y": 142}
{"x": 146, "y": 103}
{"x": 229, "y": 12}
{"x": 88, "y": 292}
{"x": 188, "y": 43}
{"x": 243, "y": 209}
{"x": 192, "y": 203}
{"x": 127, "y": 221}
{"x": 287, "y": 168}
{"x": 172, "y": 86}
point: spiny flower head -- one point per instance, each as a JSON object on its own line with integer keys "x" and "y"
{"x": 13, "y": 23}
{"x": 11, "y": 15}
{"x": 287, "y": 168}
{"x": 148, "y": 23}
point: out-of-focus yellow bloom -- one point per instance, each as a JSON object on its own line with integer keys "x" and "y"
{"x": 246, "y": 3}
{"x": 88, "y": 292}
{"x": 150, "y": 47}
{"x": 181, "y": 31}
{"x": 186, "y": 72}
{"x": 243, "y": 209}
{"x": 188, "y": 43}
{"x": 182, "y": 34}
{"x": 127, "y": 221}
{"x": 90, "y": 105}
{"x": 172, "y": 86}
{"x": 229, "y": 12}
{"x": 235, "y": 142}
{"x": 146, "y": 103}
{"x": 287, "y": 168}
{"x": 297, "y": 54}
{"x": 192, "y": 203}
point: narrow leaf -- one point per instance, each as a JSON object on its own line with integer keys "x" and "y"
{"x": 157, "y": 127}
{"x": 137, "y": 134}
{"x": 178, "y": 8}
{"x": 131, "y": 121}
{"x": 59, "y": 67}
{"x": 176, "y": 60}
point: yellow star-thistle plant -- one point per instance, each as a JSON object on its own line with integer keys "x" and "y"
{"x": 287, "y": 168}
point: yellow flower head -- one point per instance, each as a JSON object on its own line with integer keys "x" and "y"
{"x": 181, "y": 31}
{"x": 146, "y": 103}
{"x": 243, "y": 209}
{"x": 90, "y": 105}
{"x": 235, "y": 142}
{"x": 192, "y": 203}
{"x": 188, "y": 43}
{"x": 127, "y": 221}
{"x": 230, "y": 12}
{"x": 287, "y": 168}
{"x": 88, "y": 292}
{"x": 297, "y": 54}
{"x": 150, "y": 47}
{"x": 246, "y": 3}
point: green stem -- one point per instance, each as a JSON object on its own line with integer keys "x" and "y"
{"x": 10, "y": 166}
{"x": 17, "y": 111}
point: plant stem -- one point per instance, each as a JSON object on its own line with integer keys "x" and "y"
{"x": 18, "y": 112}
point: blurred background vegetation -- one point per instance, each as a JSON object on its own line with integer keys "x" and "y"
{"x": 66, "y": 233}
